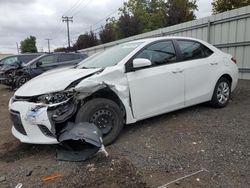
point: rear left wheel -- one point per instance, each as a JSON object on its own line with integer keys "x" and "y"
{"x": 222, "y": 93}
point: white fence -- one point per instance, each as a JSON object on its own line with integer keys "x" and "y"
{"x": 229, "y": 31}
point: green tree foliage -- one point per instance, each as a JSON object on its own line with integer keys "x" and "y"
{"x": 139, "y": 16}
{"x": 85, "y": 41}
{"x": 142, "y": 16}
{"x": 225, "y": 5}
{"x": 28, "y": 45}
{"x": 179, "y": 11}
{"x": 61, "y": 49}
{"x": 107, "y": 34}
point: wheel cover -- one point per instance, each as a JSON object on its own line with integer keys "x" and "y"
{"x": 223, "y": 92}
{"x": 22, "y": 81}
{"x": 103, "y": 119}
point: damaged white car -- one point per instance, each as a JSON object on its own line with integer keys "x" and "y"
{"x": 121, "y": 85}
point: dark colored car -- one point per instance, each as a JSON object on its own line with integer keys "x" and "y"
{"x": 44, "y": 63}
{"x": 10, "y": 63}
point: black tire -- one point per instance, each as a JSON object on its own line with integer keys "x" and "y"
{"x": 216, "y": 102}
{"x": 21, "y": 80}
{"x": 99, "y": 108}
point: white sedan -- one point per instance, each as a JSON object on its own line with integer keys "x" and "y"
{"x": 122, "y": 85}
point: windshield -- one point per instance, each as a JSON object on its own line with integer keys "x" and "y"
{"x": 9, "y": 60}
{"x": 109, "y": 57}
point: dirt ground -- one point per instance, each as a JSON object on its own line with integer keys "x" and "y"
{"x": 215, "y": 143}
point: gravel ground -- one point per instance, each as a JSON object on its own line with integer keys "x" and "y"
{"x": 215, "y": 143}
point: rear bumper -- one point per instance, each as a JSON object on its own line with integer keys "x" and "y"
{"x": 235, "y": 77}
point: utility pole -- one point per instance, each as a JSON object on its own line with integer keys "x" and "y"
{"x": 17, "y": 47}
{"x": 48, "y": 44}
{"x": 67, "y": 20}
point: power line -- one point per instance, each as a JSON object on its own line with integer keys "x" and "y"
{"x": 60, "y": 29}
{"x": 77, "y": 12}
{"x": 67, "y": 20}
{"x": 99, "y": 21}
{"x": 71, "y": 8}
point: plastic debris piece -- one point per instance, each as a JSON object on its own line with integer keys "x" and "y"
{"x": 19, "y": 185}
{"x": 29, "y": 173}
{"x": 50, "y": 177}
{"x": 2, "y": 178}
{"x": 79, "y": 142}
{"x": 92, "y": 169}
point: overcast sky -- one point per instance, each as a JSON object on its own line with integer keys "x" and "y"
{"x": 42, "y": 18}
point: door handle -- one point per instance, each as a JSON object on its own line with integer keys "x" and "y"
{"x": 177, "y": 71}
{"x": 214, "y": 63}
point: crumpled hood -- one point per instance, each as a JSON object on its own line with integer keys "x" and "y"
{"x": 52, "y": 81}
{"x": 5, "y": 68}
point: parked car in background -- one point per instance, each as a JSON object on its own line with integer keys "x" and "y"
{"x": 44, "y": 63}
{"x": 122, "y": 85}
{"x": 11, "y": 63}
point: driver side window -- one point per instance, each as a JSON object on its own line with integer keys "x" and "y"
{"x": 159, "y": 53}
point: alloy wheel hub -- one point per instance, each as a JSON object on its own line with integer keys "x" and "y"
{"x": 223, "y": 92}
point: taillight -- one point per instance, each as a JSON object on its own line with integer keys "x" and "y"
{"x": 234, "y": 60}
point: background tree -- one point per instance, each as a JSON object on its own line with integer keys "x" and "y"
{"x": 85, "y": 41}
{"x": 28, "y": 45}
{"x": 225, "y": 5}
{"x": 179, "y": 11}
{"x": 139, "y": 16}
{"x": 107, "y": 34}
{"x": 128, "y": 25}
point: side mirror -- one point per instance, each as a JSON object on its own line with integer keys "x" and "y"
{"x": 38, "y": 64}
{"x": 141, "y": 62}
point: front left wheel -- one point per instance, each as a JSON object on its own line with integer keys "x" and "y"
{"x": 105, "y": 114}
{"x": 21, "y": 80}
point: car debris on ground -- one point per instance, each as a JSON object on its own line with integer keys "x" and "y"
{"x": 2, "y": 178}
{"x": 50, "y": 177}
{"x": 80, "y": 142}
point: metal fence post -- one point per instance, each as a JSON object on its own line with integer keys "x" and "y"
{"x": 208, "y": 30}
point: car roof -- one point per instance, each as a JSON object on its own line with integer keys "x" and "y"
{"x": 153, "y": 39}
{"x": 163, "y": 38}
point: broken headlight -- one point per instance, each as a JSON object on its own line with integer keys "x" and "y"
{"x": 53, "y": 98}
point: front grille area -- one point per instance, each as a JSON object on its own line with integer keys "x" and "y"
{"x": 46, "y": 131}
{"x": 16, "y": 120}
{"x": 18, "y": 98}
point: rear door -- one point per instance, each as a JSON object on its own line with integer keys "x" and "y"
{"x": 199, "y": 65}
{"x": 46, "y": 63}
{"x": 68, "y": 59}
{"x": 160, "y": 88}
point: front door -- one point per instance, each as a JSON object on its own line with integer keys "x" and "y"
{"x": 160, "y": 88}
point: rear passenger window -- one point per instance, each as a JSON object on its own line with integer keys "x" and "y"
{"x": 207, "y": 51}
{"x": 159, "y": 53}
{"x": 66, "y": 57}
{"x": 49, "y": 59}
{"x": 193, "y": 50}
